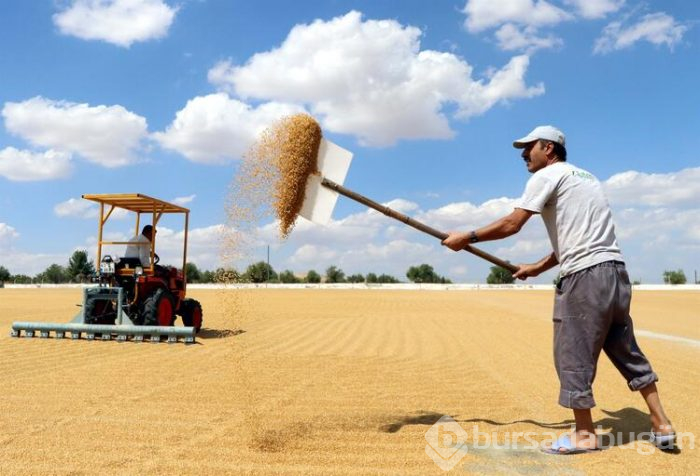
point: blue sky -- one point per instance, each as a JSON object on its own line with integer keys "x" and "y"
{"x": 163, "y": 98}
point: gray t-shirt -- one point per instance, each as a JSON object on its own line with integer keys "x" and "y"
{"x": 576, "y": 214}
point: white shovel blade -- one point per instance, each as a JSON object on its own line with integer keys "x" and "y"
{"x": 319, "y": 201}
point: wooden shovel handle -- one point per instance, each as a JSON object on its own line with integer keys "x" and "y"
{"x": 414, "y": 223}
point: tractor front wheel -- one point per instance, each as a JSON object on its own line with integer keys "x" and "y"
{"x": 158, "y": 309}
{"x": 99, "y": 311}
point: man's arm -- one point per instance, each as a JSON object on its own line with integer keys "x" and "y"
{"x": 501, "y": 228}
{"x": 535, "y": 269}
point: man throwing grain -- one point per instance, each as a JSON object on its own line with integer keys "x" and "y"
{"x": 592, "y": 298}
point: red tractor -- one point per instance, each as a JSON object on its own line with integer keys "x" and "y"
{"x": 132, "y": 299}
{"x": 152, "y": 295}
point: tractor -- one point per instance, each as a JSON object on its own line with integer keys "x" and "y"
{"x": 131, "y": 298}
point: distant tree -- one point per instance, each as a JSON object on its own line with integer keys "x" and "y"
{"x": 422, "y": 274}
{"x": 288, "y": 277}
{"x": 4, "y": 274}
{"x": 312, "y": 277}
{"x": 356, "y": 278}
{"x": 371, "y": 278}
{"x": 675, "y": 277}
{"x": 260, "y": 272}
{"x": 425, "y": 274}
{"x": 21, "y": 279}
{"x": 207, "y": 276}
{"x": 79, "y": 266}
{"x": 385, "y": 278}
{"x": 193, "y": 274}
{"x": 500, "y": 275}
{"x": 335, "y": 275}
{"x": 55, "y": 274}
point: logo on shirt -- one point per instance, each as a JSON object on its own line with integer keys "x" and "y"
{"x": 582, "y": 174}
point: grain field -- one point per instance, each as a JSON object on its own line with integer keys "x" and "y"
{"x": 318, "y": 381}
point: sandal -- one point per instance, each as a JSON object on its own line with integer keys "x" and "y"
{"x": 564, "y": 443}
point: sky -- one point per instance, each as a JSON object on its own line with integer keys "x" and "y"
{"x": 164, "y": 98}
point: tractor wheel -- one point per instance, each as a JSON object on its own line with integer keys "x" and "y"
{"x": 99, "y": 311}
{"x": 159, "y": 309}
{"x": 191, "y": 312}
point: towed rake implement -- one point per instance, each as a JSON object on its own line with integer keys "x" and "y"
{"x": 122, "y": 330}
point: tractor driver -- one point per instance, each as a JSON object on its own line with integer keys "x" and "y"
{"x": 140, "y": 246}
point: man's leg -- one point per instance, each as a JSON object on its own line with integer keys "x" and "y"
{"x": 659, "y": 421}
{"x": 623, "y": 351}
{"x": 582, "y": 319}
{"x": 584, "y": 436}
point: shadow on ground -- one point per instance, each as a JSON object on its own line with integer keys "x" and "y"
{"x": 219, "y": 333}
{"x": 625, "y": 425}
{"x": 430, "y": 418}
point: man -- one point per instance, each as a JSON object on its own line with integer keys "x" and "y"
{"x": 592, "y": 298}
{"x": 140, "y": 246}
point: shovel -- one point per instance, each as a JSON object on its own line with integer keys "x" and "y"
{"x": 323, "y": 188}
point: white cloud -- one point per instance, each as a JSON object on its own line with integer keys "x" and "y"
{"x": 215, "y": 128}
{"x": 658, "y": 190}
{"x": 513, "y": 38}
{"x": 503, "y": 85}
{"x": 485, "y": 14}
{"x": 465, "y": 215}
{"x": 24, "y": 165}
{"x": 184, "y": 200}
{"x": 309, "y": 256}
{"x": 31, "y": 264}
{"x": 392, "y": 257}
{"x": 370, "y": 79}
{"x": 401, "y": 205}
{"x": 20, "y": 262}
{"x": 344, "y": 232}
{"x": 393, "y": 250}
{"x": 7, "y": 234}
{"x": 120, "y": 22}
{"x": 106, "y": 135}
{"x": 77, "y": 208}
{"x": 518, "y": 22}
{"x": 656, "y": 28}
{"x": 593, "y": 9}
{"x": 86, "y": 209}
{"x": 523, "y": 247}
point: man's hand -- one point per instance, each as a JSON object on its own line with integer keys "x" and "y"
{"x": 456, "y": 241}
{"x": 527, "y": 271}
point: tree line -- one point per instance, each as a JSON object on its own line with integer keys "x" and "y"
{"x": 80, "y": 269}
{"x": 262, "y": 272}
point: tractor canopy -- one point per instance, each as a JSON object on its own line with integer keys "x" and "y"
{"x": 148, "y": 210}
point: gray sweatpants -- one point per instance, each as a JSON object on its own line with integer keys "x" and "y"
{"x": 591, "y": 312}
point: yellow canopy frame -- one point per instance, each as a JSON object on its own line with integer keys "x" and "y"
{"x": 139, "y": 204}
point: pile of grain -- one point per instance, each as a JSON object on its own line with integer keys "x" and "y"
{"x": 298, "y": 138}
{"x": 273, "y": 175}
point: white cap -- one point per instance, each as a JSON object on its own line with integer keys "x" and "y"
{"x": 550, "y": 133}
